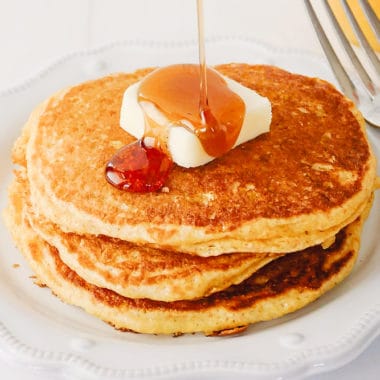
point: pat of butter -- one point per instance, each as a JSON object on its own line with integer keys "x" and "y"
{"x": 184, "y": 146}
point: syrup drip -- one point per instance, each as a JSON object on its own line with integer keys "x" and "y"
{"x": 138, "y": 168}
{"x": 189, "y": 92}
{"x": 203, "y": 99}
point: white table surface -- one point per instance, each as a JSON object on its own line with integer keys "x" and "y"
{"x": 34, "y": 33}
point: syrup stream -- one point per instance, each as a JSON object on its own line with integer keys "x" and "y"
{"x": 203, "y": 100}
{"x": 208, "y": 120}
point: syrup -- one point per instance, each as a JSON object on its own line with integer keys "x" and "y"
{"x": 203, "y": 99}
{"x": 189, "y": 92}
{"x": 138, "y": 167}
{"x": 177, "y": 92}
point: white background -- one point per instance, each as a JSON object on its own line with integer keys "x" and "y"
{"x": 34, "y": 33}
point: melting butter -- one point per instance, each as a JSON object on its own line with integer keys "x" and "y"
{"x": 177, "y": 139}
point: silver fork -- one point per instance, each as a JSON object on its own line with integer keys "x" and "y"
{"x": 369, "y": 103}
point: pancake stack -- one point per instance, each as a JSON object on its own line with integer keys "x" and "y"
{"x": 255, "y": 234}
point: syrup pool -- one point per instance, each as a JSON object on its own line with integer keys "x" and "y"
{"x": 138, "y": 168}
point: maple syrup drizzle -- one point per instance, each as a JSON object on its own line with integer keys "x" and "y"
{"x": 203, "y": 99}
{"x": 183, "y": 93}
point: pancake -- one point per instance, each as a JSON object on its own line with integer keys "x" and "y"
{"x": 311, "y": 175}
{"x": 255, "y": 234}
{"x": 281, "y": 287}
{"x": 138, "y": 271}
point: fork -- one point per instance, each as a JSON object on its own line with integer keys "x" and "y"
{"x": 369, "y": 103}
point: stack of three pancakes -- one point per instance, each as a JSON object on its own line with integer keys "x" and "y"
{"x": 251, "y": 236}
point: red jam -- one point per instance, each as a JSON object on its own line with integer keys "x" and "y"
{"x": 138, "y": 168}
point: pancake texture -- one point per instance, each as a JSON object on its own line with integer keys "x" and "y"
{"x": 307, "y": 178}
{"x": 251, "y": 236}
{"x": 144, "y": 272}
{"x": 280, "y": 287}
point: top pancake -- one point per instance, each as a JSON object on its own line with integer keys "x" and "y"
{"x": 312, "y": 172}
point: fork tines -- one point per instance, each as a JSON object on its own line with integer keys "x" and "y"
{"x": 340, "y": 72}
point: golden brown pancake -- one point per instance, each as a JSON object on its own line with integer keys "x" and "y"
{"x": 281, "y": 287}
{"x": 141, "y": 271}
{"x": 300, "y": 191}
{"x": 293, "y": 187}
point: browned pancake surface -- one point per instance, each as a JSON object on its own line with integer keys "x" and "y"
{"x": 279, "y": 174}
{"x": 143, "y": 272}
{"x": 308, "y": 269}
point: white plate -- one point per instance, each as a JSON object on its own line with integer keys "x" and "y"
{"x": 36, "y": 329}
